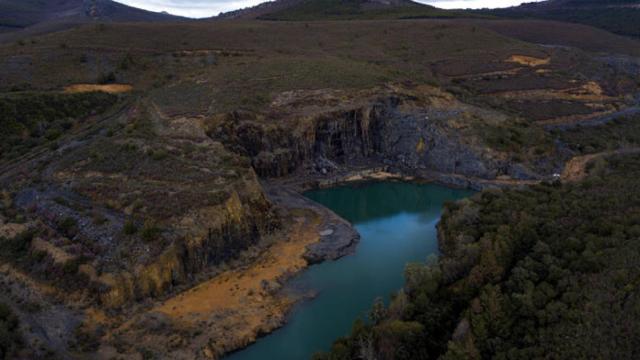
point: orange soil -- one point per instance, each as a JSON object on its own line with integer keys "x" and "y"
{"x": 245, "y": 305}
{"x": 576, "y": 168}
{"x": 109, "y": 88}
{"x": 574, "y": 119}
{"x": 10, "y": 230}
{"x": 590, "y": 91}
{"x": 528, "y": 60}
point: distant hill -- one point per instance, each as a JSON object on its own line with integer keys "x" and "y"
{"x": 308, "y": 10}
{"x": 618, "y": 16}
{"x": 43, "y": 15}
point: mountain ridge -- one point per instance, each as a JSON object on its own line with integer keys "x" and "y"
{"x": 309, "y": 10}
{"x": 40, "y": 16}
{"x": 618, "y": 16}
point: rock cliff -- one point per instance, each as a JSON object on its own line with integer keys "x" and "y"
{"x": 406, "y": 129}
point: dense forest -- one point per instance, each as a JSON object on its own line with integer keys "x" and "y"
{"x": 549, "y": 271}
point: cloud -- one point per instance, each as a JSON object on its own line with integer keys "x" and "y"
{"x": 207, "y": 8}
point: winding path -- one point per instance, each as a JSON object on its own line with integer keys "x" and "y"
{"x": 589, "y": 120}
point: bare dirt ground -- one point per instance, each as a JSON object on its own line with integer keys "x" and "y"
{"x": 576, "y": 168}
{"x": 528, "y": 60}
{"x": 232, "y": 309}
{"x": 108, "y": 88}
{"x": 248, "y": 294}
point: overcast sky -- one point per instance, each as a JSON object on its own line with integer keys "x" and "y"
{"x": 206, "y": 8}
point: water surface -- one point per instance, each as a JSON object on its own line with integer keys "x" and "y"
{"x": 397, "y": 224}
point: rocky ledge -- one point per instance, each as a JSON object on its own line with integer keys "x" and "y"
{"x": 337, "y": 237}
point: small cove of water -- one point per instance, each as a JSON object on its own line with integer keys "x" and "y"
{"x": 397, "y": 224}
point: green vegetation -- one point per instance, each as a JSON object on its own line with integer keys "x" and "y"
{"x": 150, "y": 232}
{"x": 619, "y": 133}
{"x": 31, "y": 119}
{"x": 17, "y": 251}
{"x": 518, "y": 138}
{"x": 550, "y": 270}
{"x": 610, "y": 15}
{"x": 68, "y": 226}
{"x": 130, "y": 227}
{"x": 16, "y": 248}
{"x": 10, "y": 339}
{"x": 310, "y": 10}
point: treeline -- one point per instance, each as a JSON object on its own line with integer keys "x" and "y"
{"x": 551, "y": 271}
{"x": 31, "y": 119}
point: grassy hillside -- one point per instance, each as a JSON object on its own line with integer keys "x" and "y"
{"x": 49, "y": 16}
{"x": 230, "y": 65}
{"x": 20, "y": 14}
{"x": 254, "y": 59}
{"x": 620, "y": 17}
{"x": 309, "y": 10}
{"x": 28, "y": 120}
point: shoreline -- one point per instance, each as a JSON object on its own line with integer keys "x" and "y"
{"x": 288, "y": 192}
{"x": 233, "y": 309}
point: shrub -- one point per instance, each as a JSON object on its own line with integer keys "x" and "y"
{"x": 149, "y": 232}
{"x": 17, "y": 247}
{"x": 31, "y": 119}
{"x": 10, "y": 338}
{"x": 68, "y": 226}
{"x": 107, "y": 78}
{"x": 129, "y": 227}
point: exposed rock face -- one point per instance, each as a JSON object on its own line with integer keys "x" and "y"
{"x": 423, "y": 129}
{"x": 210, "y": 236}
{"x": 189, "y": 205}
{"x": 204, "y": 235}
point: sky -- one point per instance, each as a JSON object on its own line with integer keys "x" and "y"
{"x": 207, "y": 8}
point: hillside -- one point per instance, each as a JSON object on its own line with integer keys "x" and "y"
{"x": 618, "y": 16}
{"x": 309, "y": 10}
{"x": 40, "y": 16}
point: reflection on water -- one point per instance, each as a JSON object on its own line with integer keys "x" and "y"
{"x": 397, "y": 224}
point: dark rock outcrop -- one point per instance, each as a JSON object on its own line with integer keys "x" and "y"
{"x": 389, "y": 130}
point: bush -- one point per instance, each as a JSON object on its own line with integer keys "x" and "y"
{"x": 129, "y": 227}
{"x": 149, "y": 232}
{"x": 16, "y": 248}
{"x": 32, "y": 119}
{"x": 68, "y": 226}
{"x": 10, "y": 338}
{"x": 107, "y": 78}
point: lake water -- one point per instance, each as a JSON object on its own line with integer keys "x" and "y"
{"x": 397, "y": 224}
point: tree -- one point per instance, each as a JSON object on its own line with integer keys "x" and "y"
{"x": 378, "y": 311}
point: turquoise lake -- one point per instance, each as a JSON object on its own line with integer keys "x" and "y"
{"x": 397, "y": 224}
